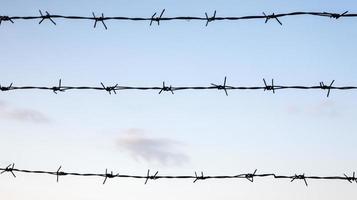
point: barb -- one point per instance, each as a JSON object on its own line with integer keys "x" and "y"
{"x": 336, "y": 15}
{"x": 302, "y": 177}
{"x": 210, "y": 19}
{"x": 165, "y": 88}
{"x": 2, "y": 88}
{"x": 110, "y": 89}
{"x": 5, "y": 18}
{"x": 351, "y": 178}
{"x": 157, "y": 19}
{"x": 9, "y": 168}
{"x": 269, "y": 87}
{"x": 196, "y": 177}
{"x": 107, "y": 175}
{"x": 47, "y": 16}
{"x": 222, "y": 87}
{"x": 150, "y": 177}
{"x": 202, "y": 177}
{"x": 250, "y": 177}
{"x": 59, "y": 173}
{"x": 325, "y": 87}
{"x": 58, "y": 88}
{"x": 273, "y": 16}
{"x": 99, "y": 19}
{"x": 160, "y": 18}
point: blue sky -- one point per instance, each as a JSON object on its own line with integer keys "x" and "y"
{"x": 287, "y": 132}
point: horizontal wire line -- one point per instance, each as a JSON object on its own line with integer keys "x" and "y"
{"x": 158, "y": 18}
{"x": 195, "y": 177}
{"x": 164, "y": 88}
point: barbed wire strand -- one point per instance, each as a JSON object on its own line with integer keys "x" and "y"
{"x": 154, "y": 18}
{"x": 164, "y": 88}
{"x": 195, "y": 177}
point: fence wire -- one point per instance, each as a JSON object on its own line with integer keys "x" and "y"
{"x": 171, "y": 89}
{"x": 195, "y": 177}
{"x": 157, "y": 18}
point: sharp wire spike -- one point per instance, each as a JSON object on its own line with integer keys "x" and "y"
{"x": 10, "y": 169}
{"x": 150, "y": 177}
{"x": 95, "y": 20}
{"x": 222, "y": 87}
{"x": 6, "y": 18}
{"x": 269, "y": 87}
{"x": 250, "y": 177}
{"x": 109, "y": 175}
{"x": 337, "y": 16}
{"x": 199, "y": 177}
{"x": 152, "y": 18}
{"x": 210, "y": 19}
{"x": 47, "y": 16}
{"x": 109, "y": 89}
{"x": 302, "y": 177}
{"x": 106, "y": 176}
{"x": 147, "y": 176}
{"x": 58, "y": 173}
{"x": 157, "y": 19}
{"x": 329, "y": 88}
{"x": 165, "y": 88}
{"x": 101, "y": 19}
{"x": 267, "y": 17}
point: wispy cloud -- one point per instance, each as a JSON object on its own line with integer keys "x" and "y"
{"x": 19, "y": 114}
{"x": 143, "y": 147}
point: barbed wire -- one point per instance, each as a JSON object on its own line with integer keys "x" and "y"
{"x": 159, "y": 18}
{"x": 164, "y": 88}
{"x": 195, "y": 177}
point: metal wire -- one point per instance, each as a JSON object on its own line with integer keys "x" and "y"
{"x": 195, "y": 177}
{"x": 164, "y": 88}
{"x": 158, "y": 18}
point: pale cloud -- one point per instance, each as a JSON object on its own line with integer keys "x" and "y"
{"x": 20, "y": 114}
{"x": 150, "y": 149}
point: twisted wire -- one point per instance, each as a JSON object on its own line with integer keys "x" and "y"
{"x": 194, "y": 177}
{"x": 172, "y": 89}
{"x": 159, "y": 18}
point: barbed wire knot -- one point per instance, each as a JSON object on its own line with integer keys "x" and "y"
{"x": 5, "y": 88}
{"x": 210, "y": 19}
{"x": 269, "y": 87}
{"x": 301, "y": 177}
{"x": 250, "y": 177}
{"x": 337, "y": 16}
{"x": 272, "y": 16}
{"x": 351, "y": 178}
{"x": 9, "y": 168}
{"x": 222, "y": 87}
{"x": 109, "y": 175}
{"x": 47, "y": 16}
{"x": 202, "y": 177}
{"x": 99, "y": 19}
{"x": 157, "y": 19}
{"x": 58, "y": 88}
{"x": 166, "y": 88}
{"x": 6, "y": 18}
{"x": 152, "y": 177}
{"x": 110, "y": 89}
{"x": 325, "y": 87}
{"x": 59, "y": 173}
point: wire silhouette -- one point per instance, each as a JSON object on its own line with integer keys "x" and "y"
{"x": 249, "y": 176}
{"x": 164, "y": 88}
{"x": 158, "y": 19}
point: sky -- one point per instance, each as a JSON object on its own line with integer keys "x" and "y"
{"x": 84, "y": 131}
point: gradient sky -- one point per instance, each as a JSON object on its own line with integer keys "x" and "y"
{"x": 286, "y": 133}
